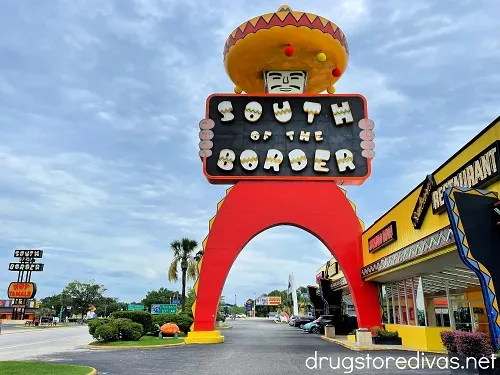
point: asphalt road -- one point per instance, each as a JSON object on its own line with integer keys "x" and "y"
{"x": 251, "y": 347}
{"x": 19, "y": 343}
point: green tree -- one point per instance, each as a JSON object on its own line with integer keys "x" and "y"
{"x": 82, "y": 295}
{"x": 160, "y": 296}
{"x": 108, "y": 305}
{"x": 184, "y": 257}
{"x": 190, "y": 298}
{"x": 54, "y": 302}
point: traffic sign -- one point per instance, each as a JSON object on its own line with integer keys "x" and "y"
{"x": 133, "y": 307}
{"x": 164, "y": 309}
{"x": 176, "y": 301}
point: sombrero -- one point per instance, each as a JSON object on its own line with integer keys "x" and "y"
{"x": 286, "y": 40}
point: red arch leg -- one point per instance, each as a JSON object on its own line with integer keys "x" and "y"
{"x": 320, "y": 208}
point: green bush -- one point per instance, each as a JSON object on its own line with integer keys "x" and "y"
{"x": 155, "y": 331}
{"x": 184, "y": 322}
{"x": 106, "y": 332}
{"x": 93, "y": 324}
{"x": 220, "y": 317}
{"x": 142, "y": 317}
{"x": 161, "y": 319}
{"x": 384, "y": 333}
{"x": 131, "y": 331}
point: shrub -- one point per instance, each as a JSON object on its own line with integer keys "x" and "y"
{"x": 142, "y": 317}
{"x": 93, "y": 324}
{"x": 106, "y": 332}
{"x": 473, "y": 344}
{"x": 127, "y": 329}
{"x": 448, "y": 340}
{"x": 161, "y": 319}
{"x": 155, "y": 331}
{"x": 131, "y": 331}
{"x": 220, "y": 317}
{"x": 376, "y": 331}
{"x": 184, "y": 322}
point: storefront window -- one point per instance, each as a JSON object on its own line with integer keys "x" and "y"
{"x": 384, "y": 304}
{"x": 410, "y": 302}
{"x": 420, "y": 301}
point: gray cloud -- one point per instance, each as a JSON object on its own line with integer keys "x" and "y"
{"x": 99, "y": 106}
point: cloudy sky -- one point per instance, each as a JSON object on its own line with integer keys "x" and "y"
{"x": 99, "y": 108}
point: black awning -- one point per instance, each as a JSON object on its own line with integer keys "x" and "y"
{"x": 315, "y": 298}
{"x": 333, "y": 298}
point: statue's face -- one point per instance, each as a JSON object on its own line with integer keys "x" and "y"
{"x": 288, "y": 82}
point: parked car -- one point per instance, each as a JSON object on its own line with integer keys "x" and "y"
{"x": 241, "y": 316}
{"x": 318, "y": 325}
{"x": 291, "y": 321}
{"x": 300, "y": 321}
{"x": 311, "y": 327}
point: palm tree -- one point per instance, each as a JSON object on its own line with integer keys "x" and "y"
{"x": 183, "y": 255}
{"x": 198, "y": 256}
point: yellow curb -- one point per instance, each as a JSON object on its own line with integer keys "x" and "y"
{"x": 93, "y": 372}
{"x": 358, "y": 348}
{"x": 134, "y": 347}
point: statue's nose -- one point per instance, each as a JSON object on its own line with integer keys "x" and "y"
{"x": 286, "y": 80}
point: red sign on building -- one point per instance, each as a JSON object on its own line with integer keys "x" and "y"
{"x": 383, "y": 237}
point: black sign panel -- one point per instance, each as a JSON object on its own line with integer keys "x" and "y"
{"x": 479, "y": 172}
{"x": 423, "y": 202}
{"x": 26, "y": 267}
{"x": 383, "y": 237}
{"x": 28, "y": 253}
{"x": 252, "y": 125}
{"x": 476, "y": 215}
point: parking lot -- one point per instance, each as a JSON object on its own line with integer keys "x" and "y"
{"x": 252, "y": 346}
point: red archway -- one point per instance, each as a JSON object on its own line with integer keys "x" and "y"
{"x": 321, "y": 208}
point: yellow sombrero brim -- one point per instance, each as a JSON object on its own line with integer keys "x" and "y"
{"x": 258, "y": 45}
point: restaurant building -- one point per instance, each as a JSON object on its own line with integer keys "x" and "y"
{"x": 6, "y": 308}
{"x": 410, "y": 252}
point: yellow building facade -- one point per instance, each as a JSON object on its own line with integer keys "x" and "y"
{"x": 410, "y": 252}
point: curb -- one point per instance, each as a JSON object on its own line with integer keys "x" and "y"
{"x": 228, "y": 327}
{"x": 133, "y": 347}
{"x": 372, "y": 348}
{"x": 93, "y": 372}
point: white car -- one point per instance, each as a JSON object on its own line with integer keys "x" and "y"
{"x": 241, "y": 316}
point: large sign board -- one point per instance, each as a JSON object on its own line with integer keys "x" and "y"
{"x": 479, "y": 172}
{"x": 286, "y": 137}
{"x": 164, "y": 309}
{"x": 21, "y": 290}
{"x": 268, "y": 301}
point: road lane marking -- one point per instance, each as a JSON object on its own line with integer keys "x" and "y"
{"x": 37, "y": 343}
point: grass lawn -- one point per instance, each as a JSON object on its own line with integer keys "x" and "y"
{"x": 41, "y": 368}
{"x": 144, "y": 341}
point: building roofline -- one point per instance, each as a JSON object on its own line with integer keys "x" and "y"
{"x": 468, "y": 144}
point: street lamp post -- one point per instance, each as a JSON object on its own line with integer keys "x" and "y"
{"x": 254, "y": 306}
